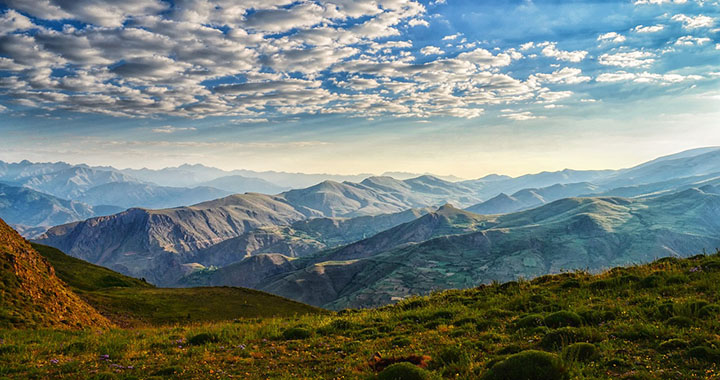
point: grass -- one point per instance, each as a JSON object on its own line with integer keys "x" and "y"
{"x": 627, "y": 329}
{"x": 130, "y": 302}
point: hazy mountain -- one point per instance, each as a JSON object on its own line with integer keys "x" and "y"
{"x": 31, "y": 295}
{"x": 530, "y": 198}
{"x": 576, "y": 233}
{"x": 302, "y": 238}
{"x": 27, "y": 207}
{"x": 132, "y": 242}
{"x": 72, "y": 182}
{"x": 239, "y": 184}
{"x": 133, "y": 194}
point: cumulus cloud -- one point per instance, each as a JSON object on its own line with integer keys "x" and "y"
{"x": 646, "y": 77}
{"x": 521, "y": 116}
{"x": 694, "y": 22}
{"x": 627, "y": 59}
{"x": 648, "y": 29}
{"x": 550, "y": 50}
{"x": 611, "y": 37}
{"x": 566, "y": 75}
{"x": 431, "y": 50}
{"x": 690, "y": 41}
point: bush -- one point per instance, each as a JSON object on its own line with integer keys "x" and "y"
{"x": 580, "y": 352}
{"x": 704, "y": 353}
{"x": 528, "y": 365}
{"x": 404, "y": 371}
{"x": 563, "y": 319}
{"x": 296, "y": 333}
{"x": 400, "y": 341}
{"x": 450, "y": 355}
{"x": 202, "y": 339}
{"x": 595, "y": 317}
{"x": 530, "y": 321}
{"x": 561, "y": 337}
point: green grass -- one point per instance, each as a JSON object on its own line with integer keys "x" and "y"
{"x": 130, "y": 302}
{"x": 501, "y": 331}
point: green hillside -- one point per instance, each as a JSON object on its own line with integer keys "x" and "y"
{"x": 656, "y": 321}
{"x": 131, "y": 302}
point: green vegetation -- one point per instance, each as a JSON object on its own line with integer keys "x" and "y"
{"x": 129, "y": 302}
{"x": 539, "y": 329}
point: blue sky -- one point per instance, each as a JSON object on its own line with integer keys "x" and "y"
{"x": 450, "y": 87}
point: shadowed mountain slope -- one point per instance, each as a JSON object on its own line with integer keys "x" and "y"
{"x": 32, "y": 296}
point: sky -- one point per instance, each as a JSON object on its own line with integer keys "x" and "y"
{"x": 460, "y": 87}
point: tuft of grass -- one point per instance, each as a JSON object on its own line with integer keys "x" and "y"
{"x": 528, "y": 365}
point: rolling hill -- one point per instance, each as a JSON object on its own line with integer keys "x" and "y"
{"x": 569, "y": 234}
{"x": 127, "y": 301}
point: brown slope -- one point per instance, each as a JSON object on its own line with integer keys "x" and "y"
{"x": 31, "y": 295}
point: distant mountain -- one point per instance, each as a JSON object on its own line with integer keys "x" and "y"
{"x": 302, "y": 238}
{"x": 530, "y": 198}
{"x": 32, "y": 296}
{"x": 132, "y": 194}
{"x": 138, "y": 241}
{"x": 27, "y": 207}
{"x": 239, "y": 184}
{"x": 72, "y": 182}
{"x": 569, "y": 234}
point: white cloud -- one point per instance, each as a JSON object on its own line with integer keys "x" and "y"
{"x": 690, "y": 41}
{"x": 566, "y": 75}
{"x": 612, "y": 37}
{"x": 452, "y": 37}
{"x": 690, "y": 22}
{"x": 648, "y": 29}
{"x": 431, "y": 50}
{"x": 627, "y": 59}
{"x": 646, "y": 77}
{"x": 550, "y": 50}
{"x": 521, "y": 116}
{"x": 170, "y": 129}
{"x": 419, "y": 22}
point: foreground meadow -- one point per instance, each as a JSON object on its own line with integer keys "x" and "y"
{"x": 656, "y": 321}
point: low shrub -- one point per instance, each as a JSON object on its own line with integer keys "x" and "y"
{"x": 530, "y": 321}
{"x": 556, "y": 339}
{"x": 528, "y": 365}
{"x": 704, "y": 353}
{"x": 404, "y": 371}
{"x": 679, "y": 321}
{"x": 672, "y": 344}
{"x": 295, "y": 333}
{"x": 580, "y": 352}
{"x": 563, "y": 318}
{"x": 202, "y": 339}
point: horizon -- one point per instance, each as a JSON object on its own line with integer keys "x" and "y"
{"x": 462, "y": 88}
{"x": 384, "y": 173}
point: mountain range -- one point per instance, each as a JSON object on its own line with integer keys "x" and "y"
{"x": 367, "y": 243}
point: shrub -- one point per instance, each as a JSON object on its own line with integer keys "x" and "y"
{"x": 466, "y": 321}
{"x": 450, "y": 355}
{"x": 562, "y": 337}
{"x": 563, "y": 319}
{"x": 581, "y": 352}
{"x": 294, "y": 333}
{"x": 202, "y": 339}
{"x": 528, "y": 365}
{"x": 595, "y": 317}
{"x": 672, "y": 344}
{"x": 704, "y": 353}
{"x": 400, "y": 341}
{"x": 694, "y": 307}
{"x": 530, "y": 321}
{"x": 652, "y": 281}
{"x": 404, "y": 371}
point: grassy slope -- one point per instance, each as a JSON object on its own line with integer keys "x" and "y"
{"x": 131, "y": 302}
{"x": 655, "y": 321}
